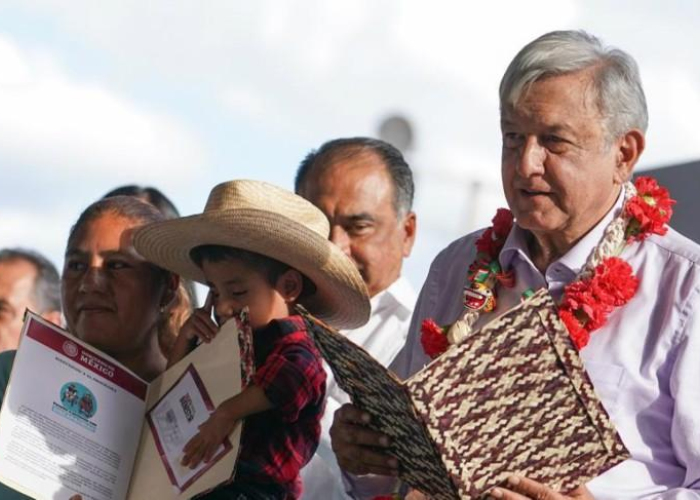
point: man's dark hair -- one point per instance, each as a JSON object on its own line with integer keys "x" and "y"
{"x": 339, "y": 149}
{"x": 47, "y": 284}
{"x": 149, "y": 194}
{"x": 270, "y": 268}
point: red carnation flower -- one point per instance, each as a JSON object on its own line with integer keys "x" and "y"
{"x": 586, "y": 304}
{"x": 502, "y": 223}
{"x": 487, "y": 245}
{"x": 578, "y": 334}
{"x": 649, "y": 211}
{"x": 433, "y": 338}
{"x": 647, "y": 186}
{"x": 580, "y": 300}
{"x": 614, "y": 281}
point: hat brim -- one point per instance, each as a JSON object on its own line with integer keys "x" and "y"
{"x": 341, "y": 297}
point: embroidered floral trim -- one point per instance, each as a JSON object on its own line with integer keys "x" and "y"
{"x": 605, "y": 283}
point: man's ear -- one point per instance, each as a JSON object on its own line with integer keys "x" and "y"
{"x": 290, "y": 284}
{"x": 409, "y": 230}
{"x": 629, "y": 148}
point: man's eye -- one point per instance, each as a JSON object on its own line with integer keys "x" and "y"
{"x": 555, "y": 143}
{"x": 512, "y": 140}
{"x": 553, "y": 139}
{"x": 360, "y": 228}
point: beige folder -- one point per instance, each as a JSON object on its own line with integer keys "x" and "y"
{"x": 217, "y": 364}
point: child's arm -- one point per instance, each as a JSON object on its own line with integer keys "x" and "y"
{"x": 220, "y": 424}
{"x": 198, "y": 325}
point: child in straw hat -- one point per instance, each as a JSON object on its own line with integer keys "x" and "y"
{"x": 262, "y": 247}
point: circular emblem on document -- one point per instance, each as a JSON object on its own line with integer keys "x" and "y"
{"x": 78, "y": 399}
{"x": 70, "y": 348}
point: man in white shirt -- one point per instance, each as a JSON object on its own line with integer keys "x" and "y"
{"x": 573, "y": 120}
{"x": 365, "y": 188}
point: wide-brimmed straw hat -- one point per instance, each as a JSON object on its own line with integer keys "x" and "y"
{"x": 263, "y": 218}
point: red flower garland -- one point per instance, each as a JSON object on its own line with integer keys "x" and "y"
{"x": 502, "y": 223}
{"x": 587, "y": 302}
{"x": 649, "y": 211}
{"x": 433, "y": 338}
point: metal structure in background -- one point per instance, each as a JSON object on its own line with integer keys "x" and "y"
{"x": 683, "y": 181}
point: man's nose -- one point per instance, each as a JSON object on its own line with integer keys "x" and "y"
{"x": 341, "y": 239}
{"x": 532, "y": 157}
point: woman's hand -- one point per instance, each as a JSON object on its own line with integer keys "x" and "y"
{"x": 211, "y": 435}
{"x": 521, "y": 488}
{"x": 356, "y": 446}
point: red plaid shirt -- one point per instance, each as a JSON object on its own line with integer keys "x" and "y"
{"x": 277, "y": 443}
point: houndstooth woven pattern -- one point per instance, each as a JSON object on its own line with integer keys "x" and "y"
{"x": 377, "y": 391}
{"x": 514, "y": 398}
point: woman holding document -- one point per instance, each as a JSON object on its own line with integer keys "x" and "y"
{"x": 112, "y": 298}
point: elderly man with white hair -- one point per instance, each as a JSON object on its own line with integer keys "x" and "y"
{"x": 573, "y": 120}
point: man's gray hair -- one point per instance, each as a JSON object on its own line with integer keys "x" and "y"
{"x": 616, "y": 80}
{"x": 47, "y": 285}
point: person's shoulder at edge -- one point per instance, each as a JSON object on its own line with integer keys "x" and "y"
{"x": 677, "y": 246}
{"x": 7, "y": 358}
{"x": 455, "y": 254}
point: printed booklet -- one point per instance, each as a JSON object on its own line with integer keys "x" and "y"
{"x": 75, "y": 421}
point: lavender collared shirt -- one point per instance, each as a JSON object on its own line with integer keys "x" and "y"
{"x": 644, "y": 363}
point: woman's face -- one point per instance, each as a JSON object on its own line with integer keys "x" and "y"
{"x": 111, "y": 295}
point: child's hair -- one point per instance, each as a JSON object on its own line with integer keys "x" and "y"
{"x": 270, "y": 268}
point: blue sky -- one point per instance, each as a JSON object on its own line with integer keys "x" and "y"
{"x": 183, "y": 95}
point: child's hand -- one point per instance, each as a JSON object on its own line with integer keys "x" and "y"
{"x": 199, "y": 324}
{"x": 211, "y": 435}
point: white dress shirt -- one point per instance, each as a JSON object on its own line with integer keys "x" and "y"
{"x": 644, "y": 362}
{"x": 383, "y": 337}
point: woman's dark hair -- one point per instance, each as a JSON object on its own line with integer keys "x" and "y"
{"x": 271, "y": 268}
{"x": 134, "y": 209}
{"x": 123, "y": 206}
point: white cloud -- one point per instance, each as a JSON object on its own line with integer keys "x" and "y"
{"x": 294, "y": 73}
{"x": 13, "y": 68}
{"x": 43, "y": 231}
{"x": 53, "y": 123}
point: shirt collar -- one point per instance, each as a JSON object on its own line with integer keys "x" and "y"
{"x": 400, "y": 292}
{"x": 575, "y": 258}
